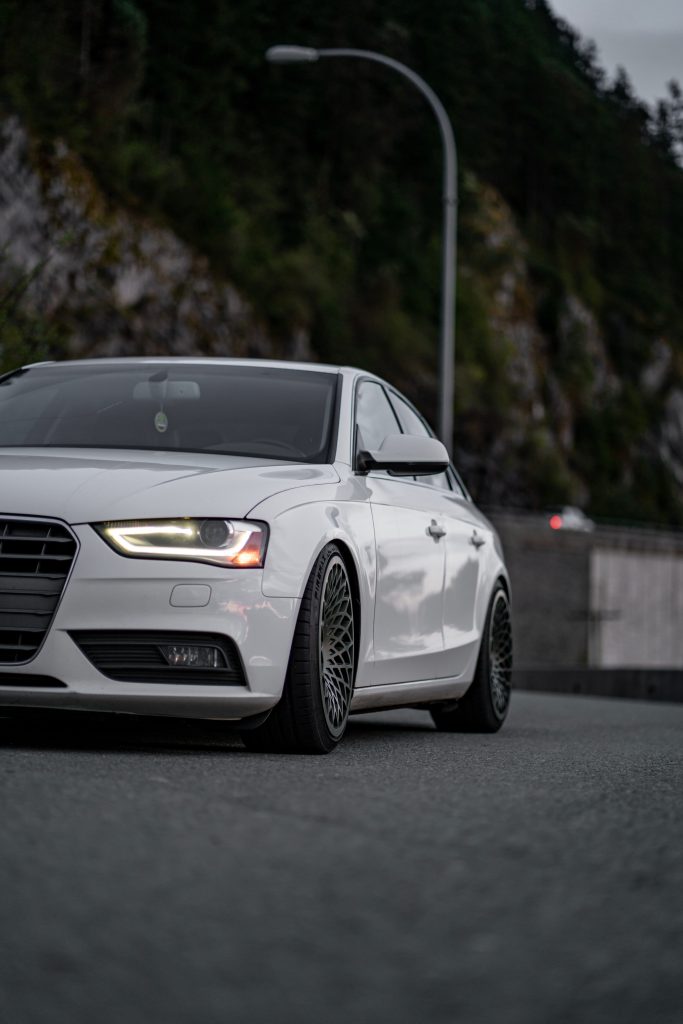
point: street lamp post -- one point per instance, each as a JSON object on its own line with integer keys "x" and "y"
{"x": 305, "y": 54}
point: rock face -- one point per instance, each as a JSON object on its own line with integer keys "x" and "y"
{"x": 551, "y": 351}
{"x": 117, "y": 283}
{"x": 536, "y": 428}
{"x": 671, "y": 448}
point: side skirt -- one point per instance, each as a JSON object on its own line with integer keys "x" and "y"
{"x": 398, "y": 695}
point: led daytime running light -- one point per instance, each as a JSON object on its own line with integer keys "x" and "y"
{"x": 126, "y": 538}
{"x": 183, "y": 540}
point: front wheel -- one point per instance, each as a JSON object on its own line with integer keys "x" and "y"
{"x": 312, "y": 714}
{"x": 485, "y": 705}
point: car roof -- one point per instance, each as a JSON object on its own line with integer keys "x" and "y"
{"x": 201, "y": 360}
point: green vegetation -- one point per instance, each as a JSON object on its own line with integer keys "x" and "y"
{"x": 24, "y": 337}
{"x": 316, "y": 191}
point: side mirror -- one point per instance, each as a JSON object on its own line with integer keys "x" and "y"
{"x": 406, "y": 455}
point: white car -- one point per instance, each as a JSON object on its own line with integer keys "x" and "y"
{"x": 273, "y": 544}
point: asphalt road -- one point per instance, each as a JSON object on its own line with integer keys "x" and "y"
{"x": 156, "y": 872}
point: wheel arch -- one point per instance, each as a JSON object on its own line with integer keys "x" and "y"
{"x": 298, "y": 535}
{"x": 352, "y": 570}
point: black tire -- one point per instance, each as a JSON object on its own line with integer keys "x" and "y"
{"x": 312, "y": 713}
{"x": 485, "y": 705}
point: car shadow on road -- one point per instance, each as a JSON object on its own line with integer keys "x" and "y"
{"x": 388, "y": 722}
{"x": 91, "y": 732}
{"x": 84, "y": 732}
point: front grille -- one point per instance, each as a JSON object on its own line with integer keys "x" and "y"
{"x": 35, "y": 561}
{"x": 134, "y": 656}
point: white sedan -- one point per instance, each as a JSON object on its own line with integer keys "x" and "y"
{"x": 273, "y": 544}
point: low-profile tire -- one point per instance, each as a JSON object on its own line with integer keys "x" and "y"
{"x": 312, "y": 713}
{"x": 486, "y": 703}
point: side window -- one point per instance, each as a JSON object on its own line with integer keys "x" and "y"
{"x": 374, "y": 415}
{"x": 412, "y": 424}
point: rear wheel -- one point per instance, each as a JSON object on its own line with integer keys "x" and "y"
{"x": 312, "y": 714}
{"x": 485, "y": 705}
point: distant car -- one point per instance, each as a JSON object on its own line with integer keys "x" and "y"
{"x": 272, "y": 544}
{"x": 570, "y": 518}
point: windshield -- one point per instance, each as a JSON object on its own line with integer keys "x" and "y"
{"x": 266, "y": 412}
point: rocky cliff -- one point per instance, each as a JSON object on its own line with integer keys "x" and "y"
{"x": 113, "y": 282}
{"x": 552, "y": 383}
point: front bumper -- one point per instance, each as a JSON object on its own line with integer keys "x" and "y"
{"x": 108, "y": 591}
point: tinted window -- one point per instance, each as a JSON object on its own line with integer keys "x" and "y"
{"x": 374, "y": 416}
{"x": 408, "y": 418}
{"x": 243, "y": 410}
{"x": 411, "y": 423}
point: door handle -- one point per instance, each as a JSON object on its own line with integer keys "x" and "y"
{"x": 435, "y": 531}
{"x": 477, "y": 541}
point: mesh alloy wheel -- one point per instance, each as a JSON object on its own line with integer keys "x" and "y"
{"x": 500, "y": 654}
{"x": 311, "y": 715}
{"x": 485, "y": 705}
{"x": 336, "y": 645}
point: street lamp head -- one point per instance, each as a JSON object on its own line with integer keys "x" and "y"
{"x": 291, "y": 54}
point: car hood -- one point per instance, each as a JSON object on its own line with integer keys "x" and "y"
{"x": 84, "y": 486}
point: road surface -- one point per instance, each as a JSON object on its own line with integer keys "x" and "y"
{"x": 156, "y": 872}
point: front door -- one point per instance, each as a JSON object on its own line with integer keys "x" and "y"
{"x": 465, "y": 539}
{"x": 411, "y": 561}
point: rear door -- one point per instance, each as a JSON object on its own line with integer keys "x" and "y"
{"x": 411, "y": 561}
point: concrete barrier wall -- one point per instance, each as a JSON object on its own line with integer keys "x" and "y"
{"x": 637, "y": 602}
{"x": 610, "y": 598}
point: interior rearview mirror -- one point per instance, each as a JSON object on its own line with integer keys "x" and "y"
{"x": 174, "y": 390}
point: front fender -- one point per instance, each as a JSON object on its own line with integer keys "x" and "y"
{"x": 298, "y": 534}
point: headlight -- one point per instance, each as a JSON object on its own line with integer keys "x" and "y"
{"x": 226, "y": 542}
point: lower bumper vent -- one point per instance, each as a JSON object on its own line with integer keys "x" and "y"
{"x": 137, "y": 656}
{"x": 25, "y": 680}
